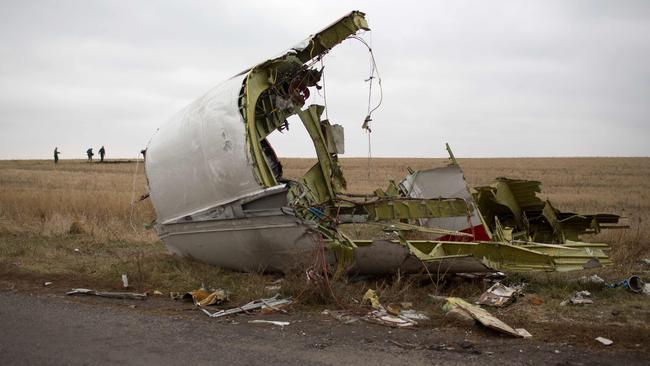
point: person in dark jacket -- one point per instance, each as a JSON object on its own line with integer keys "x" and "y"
{"x": 102, "y": 152}
{"x": 90, "y": 154}
{"x": 56, "y": 155}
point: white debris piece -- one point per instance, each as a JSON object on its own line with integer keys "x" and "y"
{"x": 274, "y": 322}
{"x": 605, "y": 341}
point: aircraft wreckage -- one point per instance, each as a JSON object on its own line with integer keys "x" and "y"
{"x": 219, "y": 195}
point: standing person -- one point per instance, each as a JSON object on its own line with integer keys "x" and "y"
{"x": 102, "y": 152}
{"x": 90, "y": 154}
{"x": 56, "y": 155}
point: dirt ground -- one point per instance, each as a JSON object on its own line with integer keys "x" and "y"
{"x": 43, "y": 326}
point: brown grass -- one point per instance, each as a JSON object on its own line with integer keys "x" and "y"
{"x": 47, "y": 211}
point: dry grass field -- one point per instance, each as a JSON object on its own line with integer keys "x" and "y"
{"x": 74, "y": 224}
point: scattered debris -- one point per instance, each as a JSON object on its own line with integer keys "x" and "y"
{"x": 343, "y": 316}
{"x": 207, "y": 298}
{"x": 371, "y": 297}
{"x": 272, "y": 303}
{"x": 476, "y": 312}
{"x": 605, "y": 341}
{"x": 645, "y": 261}
{"x": 578, "y": 298}
{"x": 392, "y": 315}
{"x": 201, "y": 297}
{"x": 500, "y": 295}
{"x": 382, "y": 317}
{"x": 593, "y": 279}
{"x": 112, "y": 295}
{"x": 413, "y": 315}
{"x": 274, "y": 322}
{"x": 47, "y": 283}
{"x": 125, "y": 281}
{"x": 158, "y": 293}
{"x": 77, "y": 251}
{"x": 634, "y": 284}
{"x": 646, "y": 289}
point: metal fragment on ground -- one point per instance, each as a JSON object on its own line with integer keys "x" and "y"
{"x": 382, "y": 317}
{"x": 413, "y": 315}
{"x": 480, "y": 315}
{"x": 371, "y": 297}
{"x": 253, "y": 305}
{"x": 605, "y": 341}
{"x": 112, "y": 295}
{"x": 500, "y": 295}
{"x": 216, "y": 297}
{"x": 273, "y": 322}
{"x": 344, "y": 316}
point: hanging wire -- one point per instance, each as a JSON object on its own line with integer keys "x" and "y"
{"x": 373, "y": 71}
{"x": 322, "y": 67}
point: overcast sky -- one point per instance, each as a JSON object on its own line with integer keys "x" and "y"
{"x": 510, "y": 78}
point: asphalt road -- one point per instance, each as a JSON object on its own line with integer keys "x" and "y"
{"x": 58, "y": 330}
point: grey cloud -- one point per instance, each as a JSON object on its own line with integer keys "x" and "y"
{"x": 494, "y": 79}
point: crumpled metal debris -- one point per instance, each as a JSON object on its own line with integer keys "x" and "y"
{"x": 371, "y": 297}
{"x": 112, "y": 295}
{"x": 281, "y": 324}
{"x": 605, "y": 341}
{"x": 578, "y": 298}
{"x": 500, "y": 295}
{"x": 206, "y": 298}
{"x": 391, "y": 315}
{"x": 344, "y": 316}
{"x": 203, "y": 297}
{"x": 381, "y": 316}
{"x": 270, "y": 303}
{"x": 481, "y": 315}
{"x": 413, "y": 315}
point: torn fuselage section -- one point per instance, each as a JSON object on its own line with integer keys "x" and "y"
{"x": 220, "y": 195}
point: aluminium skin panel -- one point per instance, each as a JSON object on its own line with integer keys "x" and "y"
{"x": 199, "y": 159}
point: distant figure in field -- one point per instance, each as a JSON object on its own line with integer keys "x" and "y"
{"x": 102, "y": 152}
{"x": 90, "y": 154}
{"x": 56, "y": 155}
